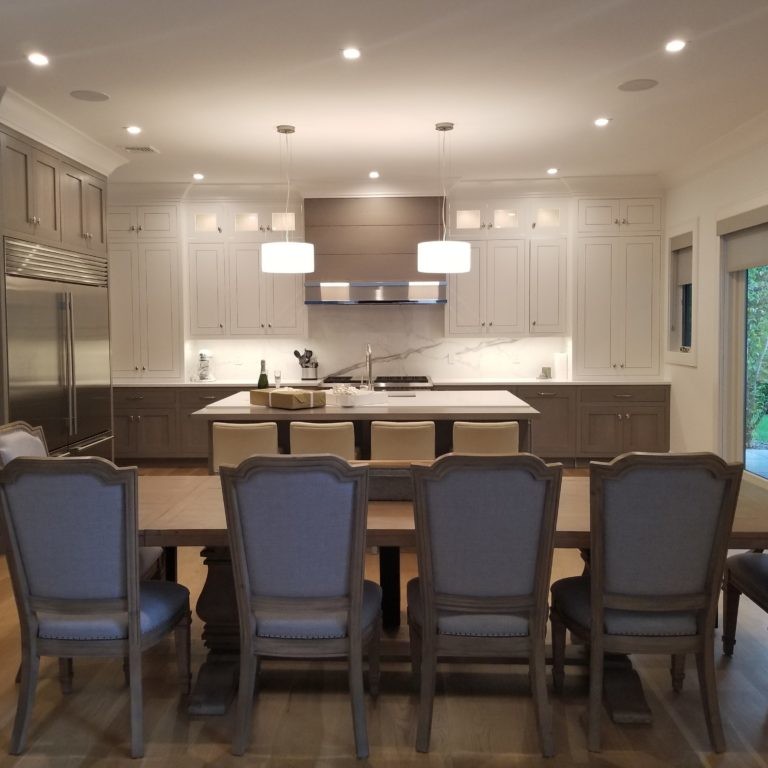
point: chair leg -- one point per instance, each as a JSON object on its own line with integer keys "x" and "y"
{"x": 426, "y": 693}
{"x": 182, "y": 639}
{"x": 374, "y": 653}
{"x": 65, "y": 675}
{"x": 30, "y": 665}
{"x": 540, "y": 700}
{"x": 731, "y": 597}
{"x": 414, "y": 634}
{"x": 137, "y": 709}
{"x": 705, "y": 665}
{"x": 677, "y": 671}
{"x": 558, "y": 651}
{"x": 357, "y": 695}
{"x": 596, "y": 662}
{"x": 244, "y": 702}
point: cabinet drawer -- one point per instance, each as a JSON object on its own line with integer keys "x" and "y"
{"x": 623, "y": 394}
{"x": 144, "y": 397}
{"x": 199, "y": 397}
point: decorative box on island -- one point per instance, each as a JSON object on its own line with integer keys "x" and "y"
{"x": 288, "y": 398}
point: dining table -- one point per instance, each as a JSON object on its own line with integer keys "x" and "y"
{"x": 188, "y": 511}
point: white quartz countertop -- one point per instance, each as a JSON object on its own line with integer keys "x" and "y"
{"x": 485, "y": 405}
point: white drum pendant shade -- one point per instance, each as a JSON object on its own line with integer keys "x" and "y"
{"x": 288, "y": 257}
{"x": 444, "y": 256}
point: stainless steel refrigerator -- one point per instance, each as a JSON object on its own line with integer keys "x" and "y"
{"x": 57, "y": 372}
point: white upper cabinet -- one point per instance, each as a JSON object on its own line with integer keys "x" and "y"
{"x": 547, "y": 286}
{"x": 508, "y": 218}
{"x": 620, "y": 216}
{"x": 490, "y": 299}
{"x": 207, "y": 289}
{"x": 617, "y": 324}
{"x": 242, "y": 222}
{"x": 132, "y": 223}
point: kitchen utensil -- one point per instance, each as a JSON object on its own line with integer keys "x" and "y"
{"x": 297, "y": 354}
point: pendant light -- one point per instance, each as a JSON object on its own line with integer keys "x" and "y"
{"x": 444, "y": 256}
{"x": 286, "y": 256}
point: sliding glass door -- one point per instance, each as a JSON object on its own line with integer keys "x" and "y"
{"x": 756, "y": 371}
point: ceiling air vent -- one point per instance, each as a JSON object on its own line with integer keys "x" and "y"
{"x": 143, "y": 150}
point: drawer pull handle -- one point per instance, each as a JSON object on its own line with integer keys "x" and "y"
{"x": 547, "y": 394}
{"x": 136, "y": 397}
{"x": 207, "y": 397}
{"x": 623, "y": 397}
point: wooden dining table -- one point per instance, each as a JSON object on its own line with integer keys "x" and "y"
{"x": 188, "y": 511}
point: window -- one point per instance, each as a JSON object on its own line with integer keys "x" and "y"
{"x": 756, "y": 372}
{"x": 681, "y": 314}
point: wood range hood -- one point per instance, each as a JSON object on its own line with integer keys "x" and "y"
{"x": 365, "y": 250}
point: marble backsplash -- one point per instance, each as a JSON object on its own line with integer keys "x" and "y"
{"x": 406, "y": 340}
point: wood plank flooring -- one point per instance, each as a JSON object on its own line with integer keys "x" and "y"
{"x": 483, "y": 714}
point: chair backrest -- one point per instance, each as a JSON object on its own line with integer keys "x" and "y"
{"x": 410, "y": 440}
{"x": 337, "y": 438}
{"x": 493, "y": 438}
{"x": 485, "y": 530}
{"x": 18, "y": 438}
{"x": 234, "y": 442}
{"x": 659, "y": 527}
{"x": 296, "y": 527}
{"x": 66, "y": 519}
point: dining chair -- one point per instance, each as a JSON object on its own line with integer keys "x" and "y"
{"x": 311, "y": 437}
{"x": 231, "y": 443}
{"x": 659, "y": 527}
{"x": 410, "y": 440}
{"x": 66, "y": 519}
{"x": 296, "y": 528}
{"x": 745, "y": 574}
{"x": 485, "y": 529}
{"x": 496, "y": 438}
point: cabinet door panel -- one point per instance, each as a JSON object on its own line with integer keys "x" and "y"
{"x": 45, "y": 184}
{"x": 159, "y": 310}
{"x": 17, "y": 192}
{"x": 554, "y": 432}
{"x": 601, "y": 431}
{"x": 284, "y": 296}
{"x": 207, "y": 285}
{"x": 121, "y": 223}
{"x": 247, "y": 317}
{"x": 640, "y": 306}
{"x": 126, "y": 445}
{"x": 156, "y": 433}
{"x": 466, "y": 296}
{"x": 596, "y": 263}
{"x": 95, "y": 208}
{"x": 506, "y": 287}
{"x": 156, "y": 222}
{"x": 641, "y": 215}
{"x": 548, "y": 286}
{"x": 72, "y": 211}
{"x": 646, "y": 429}
{"x": 125, "y": 327}
{"x": 599, "y": 216}
{"x": 193, "y": 434}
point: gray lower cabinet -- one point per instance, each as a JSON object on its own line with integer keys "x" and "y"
{"x": 553, "y": 434}
{"x": 193, "y": 433}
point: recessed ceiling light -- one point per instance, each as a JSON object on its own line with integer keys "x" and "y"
{"x": 38, "y": 59}
{"x": 198, "y": 176}
{"x": 675, "y": 46}
{"x": 89, "y": 95}
{"x": 374, "y": 175}
{"x": 641, "y": 84}
{"x": 601, "y": 122}
{"x": 351, "y": 53}
{"x": 133, "y": 129}
{"x": 552, "y": 171}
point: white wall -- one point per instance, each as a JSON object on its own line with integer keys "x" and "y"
{"x": 411, "y": 336}
{"x": 736, "y": 185}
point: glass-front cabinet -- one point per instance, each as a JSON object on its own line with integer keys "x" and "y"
{"x": 508, "y": 218}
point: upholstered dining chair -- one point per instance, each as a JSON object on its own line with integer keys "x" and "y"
{"x": 659, "y": 526}
{"x": 66, "y": 519}
{"x": 499, "y": 438}
{"x": 410, "y": 440}
{"x": 745, "y": 574}
{"x": 313, "y": 437}
{"x": 296, "y": 529}
{"x": 485, "y": 529}
{"x": 232, "y": 443}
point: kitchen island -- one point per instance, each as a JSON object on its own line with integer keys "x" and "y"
{"x": 442, "y": 407}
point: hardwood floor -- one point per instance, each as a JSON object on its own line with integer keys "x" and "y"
{"x": 483, "y": 714}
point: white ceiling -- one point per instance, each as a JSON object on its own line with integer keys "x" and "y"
{"x": 522, "y": 80}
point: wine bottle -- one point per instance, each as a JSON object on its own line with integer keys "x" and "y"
{"x": 263, "y": 382}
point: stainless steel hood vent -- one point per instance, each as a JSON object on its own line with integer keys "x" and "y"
{"x": 365, "y": 250}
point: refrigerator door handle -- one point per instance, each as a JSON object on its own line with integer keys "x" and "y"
{"x": 72, "y": 371}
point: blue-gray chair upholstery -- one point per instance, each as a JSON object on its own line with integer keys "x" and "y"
{"x": 485, "y": 530}
{"x": 296, "y": 527}
{"x": 659, "y": 525}
{"x": 65, "y": 520}
{"x": 746, "y": 574}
